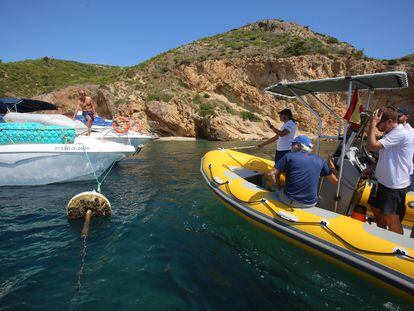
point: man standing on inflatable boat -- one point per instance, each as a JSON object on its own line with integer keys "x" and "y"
{"x": 403, "y": 116}
{"x": 395, "y": 163}
{"x": 302, "y": 169}
{"x": 284, "y": 136}
{"x": 87, "y": 107}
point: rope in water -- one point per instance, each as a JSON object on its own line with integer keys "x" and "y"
{"x": 83, "y": 255}
{"x": 80, "y": 273}
{"x": 99, "y": 182}
{"x": 323, "y": 224}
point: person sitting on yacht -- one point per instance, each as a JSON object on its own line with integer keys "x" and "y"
{"x": 283, "y": 136}
{"x": 302, "y": 169}
{"x": 393, "y": 168}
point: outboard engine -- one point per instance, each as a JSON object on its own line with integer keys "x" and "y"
{"x": 352, "y": 184}
{"x": 350, "y": 177}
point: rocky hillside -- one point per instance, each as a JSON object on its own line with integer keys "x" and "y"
{"x": 212, "y": 88}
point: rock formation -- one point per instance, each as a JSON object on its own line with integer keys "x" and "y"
{"x": 213, "y": 88}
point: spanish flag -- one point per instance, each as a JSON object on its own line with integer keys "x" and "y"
{"x": 353, "y": 114}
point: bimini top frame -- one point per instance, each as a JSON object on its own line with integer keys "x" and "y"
{"x": 375, "y": 81}
{"x": 368, "y": 82}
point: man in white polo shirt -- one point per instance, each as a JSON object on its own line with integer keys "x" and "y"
{"x": 403, "y": 116}
{"x": 393, "y": 168}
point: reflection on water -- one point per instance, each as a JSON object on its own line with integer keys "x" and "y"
{"x": 170, "y": 244}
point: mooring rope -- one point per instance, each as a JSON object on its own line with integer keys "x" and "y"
{"x": 99, "y": 182}
{"x": 80, "y": 273}
{"x": 82, "y": 266}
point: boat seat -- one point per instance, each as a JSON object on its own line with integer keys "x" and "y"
{"x": 255, "y": 177}
{"x": 243, "y": 172}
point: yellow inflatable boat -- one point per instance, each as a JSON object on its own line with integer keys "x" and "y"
{"x": 335, "y": 229}
{"x": 239, "y": 180}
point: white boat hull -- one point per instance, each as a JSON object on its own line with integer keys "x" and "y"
{"x": 41, "y": 164}
{"x": 135, "y": 139}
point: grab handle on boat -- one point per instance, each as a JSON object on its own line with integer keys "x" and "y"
{"x": 286, "y": 216}
{"x": 216, "y": 179}
{"x": 238, "y": 148}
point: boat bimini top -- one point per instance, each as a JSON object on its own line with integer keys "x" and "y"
{"x": 375, "y": 81}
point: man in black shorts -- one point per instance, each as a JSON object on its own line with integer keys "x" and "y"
{"x": 393, "y": 168}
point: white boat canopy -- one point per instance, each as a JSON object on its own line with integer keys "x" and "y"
{"x": 375, "y": 81}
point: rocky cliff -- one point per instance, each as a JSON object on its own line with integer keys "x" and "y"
{"x": 213, "y": 88}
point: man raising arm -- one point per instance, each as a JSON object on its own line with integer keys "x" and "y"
{"x": 392, "y": 170}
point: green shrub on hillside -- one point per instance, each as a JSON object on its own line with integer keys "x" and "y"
{"x": 197, "y": 99}
{"x": 159, "y": 96}
{"x": 358, "y": 54}
{"x": 206, "y": 109}
{"x": 306, "y": 47}
{"x": 247, "y": 115}
{"x": 332, "y": 40}
{"x": 230, "y": 110}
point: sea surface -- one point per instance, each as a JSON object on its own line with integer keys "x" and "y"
{"x": 169, "y": 245}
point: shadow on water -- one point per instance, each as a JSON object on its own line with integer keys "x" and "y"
{"x": 169, "y": 244}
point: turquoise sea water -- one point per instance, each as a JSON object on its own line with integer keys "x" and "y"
{"x": 169, "y": 245}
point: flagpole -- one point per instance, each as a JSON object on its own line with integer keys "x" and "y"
{"x": 341, "y": 166}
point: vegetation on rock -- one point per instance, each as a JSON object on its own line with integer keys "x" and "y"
{"x": 33, "y": 77}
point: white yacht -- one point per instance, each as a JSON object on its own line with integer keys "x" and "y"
{"x": 40, "y": 164}
{"x": 43, "y": 149}
{"x": 103, "y": 132}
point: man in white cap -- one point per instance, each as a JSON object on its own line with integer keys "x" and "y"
{"x": 302, "y": 169}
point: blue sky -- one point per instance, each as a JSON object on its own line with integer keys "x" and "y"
{"x": 127, "y": 32}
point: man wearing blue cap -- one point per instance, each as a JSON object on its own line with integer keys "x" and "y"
{"x": 302, "y": 169}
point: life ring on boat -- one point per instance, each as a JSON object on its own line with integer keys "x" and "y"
{"x": 121, "y": 129}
